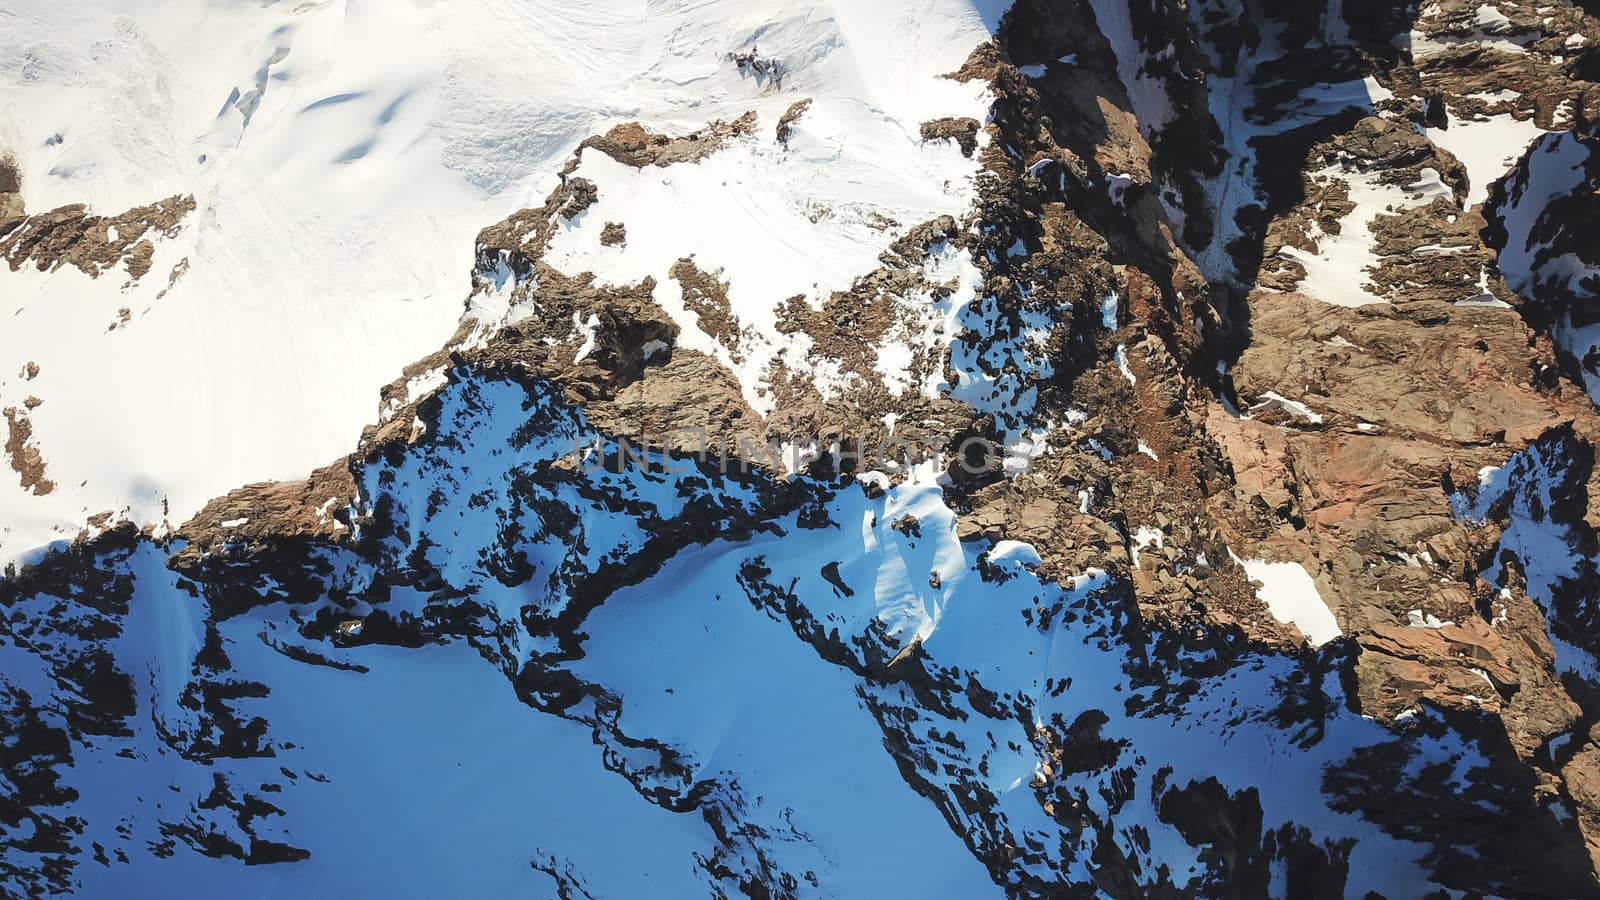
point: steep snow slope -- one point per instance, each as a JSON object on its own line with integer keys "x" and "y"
{"x": 456, "y": 811}
{"x": 797, "y": 759}
{"x": 1542, "y": 213}
{"x": 341, "y": 154}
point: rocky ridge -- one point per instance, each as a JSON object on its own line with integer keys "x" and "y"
{"x": 1178, "y": 402}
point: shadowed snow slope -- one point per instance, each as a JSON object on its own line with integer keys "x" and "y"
{"x": 341, "y": 156}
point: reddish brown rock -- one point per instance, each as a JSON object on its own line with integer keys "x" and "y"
{"x": 71, "y": 235}
{"x": 632, "y": 144}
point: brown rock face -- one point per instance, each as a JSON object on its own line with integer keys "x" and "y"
{"x": 789, "y": 117}
{"x": 10, "y": 195}
{"x": 310, "y": 508}
{"x": 25, "y": 457}
{"x": 634, "y": 145}
{"x": 707, "y": 298}
{"x": 278, "y": 526}
{"x": 690, "y": 404}
{"x": 94, "y": 244}
{"x": 1148, "y": 209}
{"x": 1348, "y": 467}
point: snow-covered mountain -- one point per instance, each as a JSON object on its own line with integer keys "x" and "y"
{"x": 1064, "y": 449}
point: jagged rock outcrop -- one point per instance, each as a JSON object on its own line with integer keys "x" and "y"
{"x": 1239, "y": 537}
{"x": 10, "y": 191}
{"x": 22, "y": 453}
{"x": 632, "y": 144}
{"x": 70, "y": 235}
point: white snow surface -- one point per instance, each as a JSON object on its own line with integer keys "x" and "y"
{"x": 1291, "y": 595}
{"x": 1546, "y": 549}
{"x": 343, "y": 155}
{"x": 1554, "y": 167}
{"x": 1488, "y": 147}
